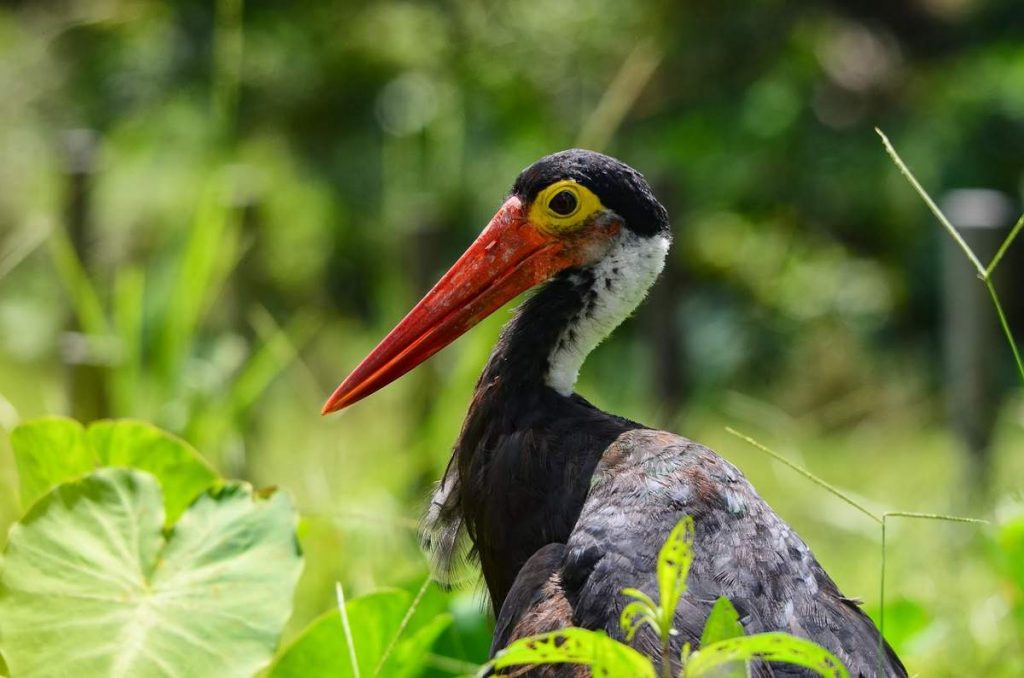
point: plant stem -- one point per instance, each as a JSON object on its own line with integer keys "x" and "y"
{"x": 347, "y": 629}
{"x": 931, "y": 204}
{"x": 1006, "y": 326}
{"x": 804, "y": 472}
{"x": 229, "y": 40}
{"x": 620, "y": 96}
{"x": 881, "y": 606}
{"x": 666, "y": 661}
{"x": 1005, "y": 246}
{"x": 881, "y": 520}
{"x": 401, "y": 627}
{"x": 881, "y": 585}
{"x": 984, "y": 273}
{"x": 933, "y": 516}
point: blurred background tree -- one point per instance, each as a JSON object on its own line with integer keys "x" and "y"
{"x": 209, "y": 211}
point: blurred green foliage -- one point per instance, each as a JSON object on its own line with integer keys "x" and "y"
{"x": 210, "y": 210}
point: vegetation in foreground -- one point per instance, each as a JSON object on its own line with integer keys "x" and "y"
{"x": 134, "y": 557}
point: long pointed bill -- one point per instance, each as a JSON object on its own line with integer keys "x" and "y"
{"x": 510, "y": 256}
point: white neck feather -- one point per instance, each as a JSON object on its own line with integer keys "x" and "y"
{"x": 621, "y": 281}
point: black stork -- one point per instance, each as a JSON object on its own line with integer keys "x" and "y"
{"x": 566, "y": 505}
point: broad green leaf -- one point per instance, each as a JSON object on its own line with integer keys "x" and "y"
{"x": 55, "y": 450}
{"x": 773, "y": 647}
{"x": 321, "y": 649}
{"x": 181, "y": 470}
{"x": 723, "y": 623}
{"x": 606, "y": 657}
{"x": 374, "y": 620}
{"x": 92, "y": 585}
{"x": 674, "y": 561}
{"x": 48, "y": 452}
{"x": 407, "y": 657}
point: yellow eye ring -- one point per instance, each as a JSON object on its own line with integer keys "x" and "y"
{"x": 564, "y": 206}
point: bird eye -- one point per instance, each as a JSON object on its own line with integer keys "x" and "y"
{"x": 564, "y": 203}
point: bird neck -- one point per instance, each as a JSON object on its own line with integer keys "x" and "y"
{"x": 554, "y": 331}
{"x": 525, "y": 423}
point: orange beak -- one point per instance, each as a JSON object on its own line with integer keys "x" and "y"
{"x": 509, "y": 257}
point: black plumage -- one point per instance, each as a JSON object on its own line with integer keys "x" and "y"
{"x": 566, "y": 505}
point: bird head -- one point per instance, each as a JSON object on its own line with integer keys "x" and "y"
{"x": 565, "y": 211}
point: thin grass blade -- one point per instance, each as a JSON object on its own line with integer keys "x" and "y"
{"x": 1005, "y": 246}
{"x": 401, "y": 627}
{"x": 931, "y": 204}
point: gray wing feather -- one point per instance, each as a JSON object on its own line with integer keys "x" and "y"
{"x": 645, "y": 483}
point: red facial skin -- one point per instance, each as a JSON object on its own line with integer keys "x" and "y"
{"x": 510, "y": 256}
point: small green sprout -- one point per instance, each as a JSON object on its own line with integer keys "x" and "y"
{"x": 724, "y": 648}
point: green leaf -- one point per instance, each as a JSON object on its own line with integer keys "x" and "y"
{"x": 640, "y": 596}
{"x": 55, "y": 450}
{"x": 773, "y": 647}
{"x": 48, "y": 452}
{"x": 674, "y": 561}
{"x": 634, "y": 616}
{"x": 605, "y": 657}
{"x": 1008, "y": 549}
{"x": 91, "y": 584}
{"x": 321, "y": 649}
{"x": 637, "y": 613}
{"x": 407, "y": 659}
{"x": 181, "y": 470}
{"x": 723, "y": 623}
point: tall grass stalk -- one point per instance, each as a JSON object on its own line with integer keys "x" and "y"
{"x": 20, "y": 245}
{"x": 129, "y": 310}
{"x": 229, "y": 43}
{"x": 85, "y": 300}
{"x": 346, "y": 627}
{"x": 620, "y": 95}
{"x": 404, "y": 623}
{"x": 880, "y": 519}
{"x": 805, "y": 473}
{"x": 208, "y": 258}
{"x": 984, "y": 272}
{"x": 919, "y": 516}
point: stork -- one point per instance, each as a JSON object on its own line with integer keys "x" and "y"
{"x": 563, "y": 504}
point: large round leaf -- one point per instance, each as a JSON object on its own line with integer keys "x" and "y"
{"x": 183, "y": 473}
{"x": 91, "y": 586}
{"x": 54, "y": 450}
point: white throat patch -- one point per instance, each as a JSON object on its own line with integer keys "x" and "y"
{"x": 621, "y": 281}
